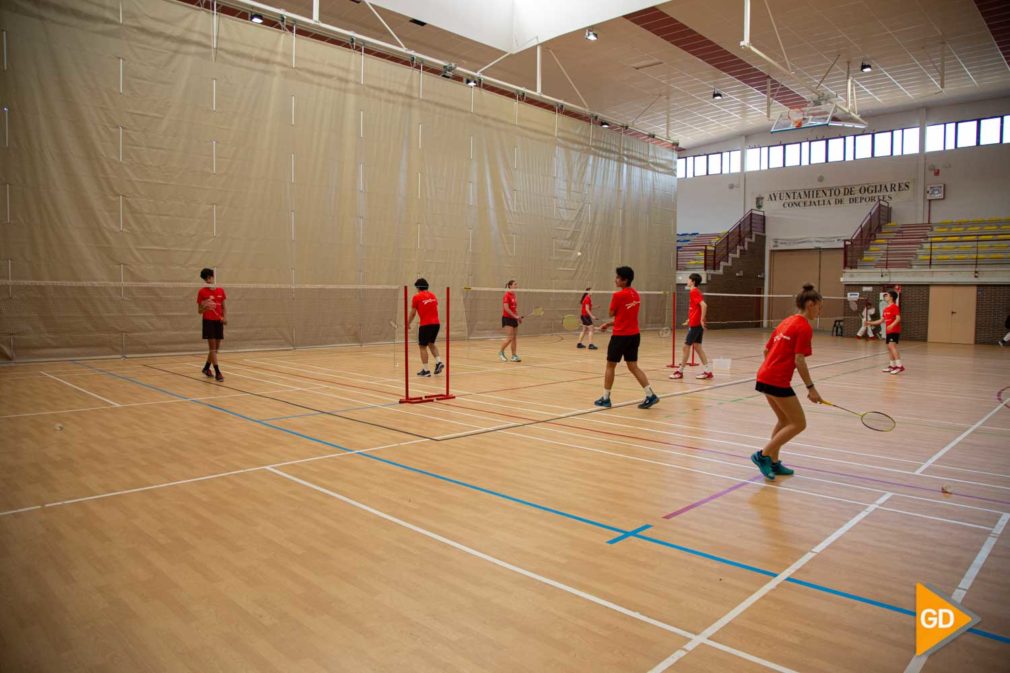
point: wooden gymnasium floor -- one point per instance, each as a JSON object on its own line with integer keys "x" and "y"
{"x": 176, "y": 524}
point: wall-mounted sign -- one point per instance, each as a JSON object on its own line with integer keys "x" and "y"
{"x": 808, "y": 242}
{"x": 842, "y": 195}
{"x": 852, "y": 296}
{"x": 934, "y": 192}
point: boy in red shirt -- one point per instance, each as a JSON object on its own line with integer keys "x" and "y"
{"x": 695, "y": 330}
{"x": 510, "y": 320}
{"x": 785, "y": 352}
{"x": 587, "y": 320}
{"x": 210, "y": 303}
{"x": 892, "y": 327}
{"x": 624, "y": 343}
{"x": 425, "y": 305}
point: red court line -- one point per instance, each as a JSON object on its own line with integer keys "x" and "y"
{"x": 699, "y": 503}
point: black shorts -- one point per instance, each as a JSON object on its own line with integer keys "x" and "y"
{"x": 509, "y": 322}
{"x": 694, "y": 335}
{"x": 586, "y": 320}
{"x": 426, "y": 334}
{"x": 213, "y": 329}
{"x": 623, "y": 346}
{"x": 893, "y": 338}
{"x": 774, "y": 391}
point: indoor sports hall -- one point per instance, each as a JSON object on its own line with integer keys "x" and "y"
{"x": 416, "y": 335}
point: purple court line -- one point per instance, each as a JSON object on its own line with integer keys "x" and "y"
{"x": 725, "y": 491}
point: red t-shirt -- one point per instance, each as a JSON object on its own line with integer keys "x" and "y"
{"x": 427, "y": 307}
{"x": 792, "y": 336}
{"x": 587, "y": 305}
{"x": 694, "y": 312}
{"x": 215, "y": 309}
{"x": 624, "y": 305}
{"x": 509, "y": 301}
{"x": 890, "y": 313}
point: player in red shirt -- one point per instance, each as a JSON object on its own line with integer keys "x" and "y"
{"x": 510, "y": 320}
{"x": 425, "y": 306}
{"x": 695, "y": 330}
{"x": 624, "y": 306}
{"x": 210, "y": 303}
{"x": 891, "y": 320}
{"x": 587, "y": 320}
{"x": 785, "y": 352}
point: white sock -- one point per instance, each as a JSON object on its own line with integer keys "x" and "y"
{"x": 708, "y": 368}
{"x": 648, "y": 390}
{"x": 606, "y": 394}
{"x": 893, "y": 363}
{"x": 897, "y": 363}
{"x": 1007, "y": 337}
{"x": 438, "y": 359}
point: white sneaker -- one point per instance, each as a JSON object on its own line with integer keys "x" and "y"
{"x": 501, "y": 356}
{"x": 887, "y": 369}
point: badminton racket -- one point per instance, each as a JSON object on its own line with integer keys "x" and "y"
{"x": 874, "y": 420}
{"x": 572, "y": 322}
{"x": 665, "y": 332}
{"x": 536, "y": 312}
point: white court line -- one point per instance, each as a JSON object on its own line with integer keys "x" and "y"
{"x": 128, "y": 405}
{"x": 774, "y": 582}
{"x": 602, "y": 602}
{"x": 789, "y": 489}
{"x": 916, "y": 663}
{"x": 87, "y": 392}
{"x": 206, "y": 477}
{"x": 957, "y": 440}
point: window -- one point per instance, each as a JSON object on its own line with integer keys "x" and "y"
{"x": 967, "y": 133}
{"x": 836, "y": 149}
{"x": 714, "y": 164}
{"x": 701, "y": 165}
{"x": 764, "y": 158}
{"x": 864, "y": 146}
{"x": 734, "y": 161}
{"x": 949, "y": 137}
{"x": 776, "y": 157}
{"x": 910, "y": 141}
{"x": 850, "y": 153}
{"x": 681, "y": 168}
{"x": 989, "y": 131}
{"x": 817, "y": 151}
{"x": 1006, "y": 129}
{"x": 690, "y": 168}
{"x": 753, "y": 158}
{"x": 793, "y": 155}
{"x": 882, "y": 144}
{"x": 934, "y": 138}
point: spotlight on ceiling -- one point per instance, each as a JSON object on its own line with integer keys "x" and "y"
{"x": 448, "y": 69}
{"x": 717, "y": 95}
{"x": 472, "y": 81}
{"x": 592, "y": 35}
{"x": 256, "y": 18}
{"x": 865, "y": 66}
{"x": 605, "y": 124}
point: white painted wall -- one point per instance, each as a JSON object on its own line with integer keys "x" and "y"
{"x": 977, "y": 180}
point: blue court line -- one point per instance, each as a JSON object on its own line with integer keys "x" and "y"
{"x": 630, "y": 533}
{"x": 621, "y": 532}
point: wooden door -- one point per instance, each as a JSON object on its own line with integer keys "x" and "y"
{"x": 952, "y": 314}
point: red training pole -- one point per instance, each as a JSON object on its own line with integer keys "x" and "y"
{"x": 448, "y": 331}
{"x": 673, "y": 328}
{"x": 406, "y": 350}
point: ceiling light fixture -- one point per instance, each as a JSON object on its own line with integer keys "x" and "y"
{"x": 717, "y": 95}
{"x": 448, "y": 69}
{"x": 865, "y": 66}
{"x": 472, "y": 81}
{"x": 605, "y": 124}
{"x": 592, "y": 35}
{"x": 256, "y": 18}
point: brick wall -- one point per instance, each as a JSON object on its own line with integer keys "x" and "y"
{"x": 914, "y": 310}
{"x": 992, "y": 305}
{"x": 730, "y": 312}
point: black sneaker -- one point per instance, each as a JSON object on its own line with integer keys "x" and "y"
{"x": 648, "y": 401}
{"x": 593, "y": 347}
{"x": 424, "y": 372}
{"x": 218, "y": 377}
{"x": 579, "y": 345}
{"x": 207, "y": 372}
{"x": 439, "y": 367}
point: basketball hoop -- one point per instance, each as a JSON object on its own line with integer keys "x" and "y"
{"x": 797, "y": 115}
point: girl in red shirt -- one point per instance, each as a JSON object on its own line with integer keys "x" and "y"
{"x": 587, "y": 320}
{"x": 891, "y": 321}
{"x": 786, "y": 352}
{"x": 210, "y": 304}
{"x": 510, "y": 320}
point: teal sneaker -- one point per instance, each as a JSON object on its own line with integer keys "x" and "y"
{"x": 649, "y": 401}
{"x": 501, "y": 356}
{"x": 764, "y": 463}
{"x": 516, "y": 358}
{"x": 779, "y": 468}
{"x": 603, "y": 402}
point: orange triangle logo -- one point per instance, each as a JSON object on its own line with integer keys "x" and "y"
{"x": 938, "y": 619}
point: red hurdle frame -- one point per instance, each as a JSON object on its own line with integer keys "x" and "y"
{"x": 418, "y": 399}
{"x": 673, "y": 337}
